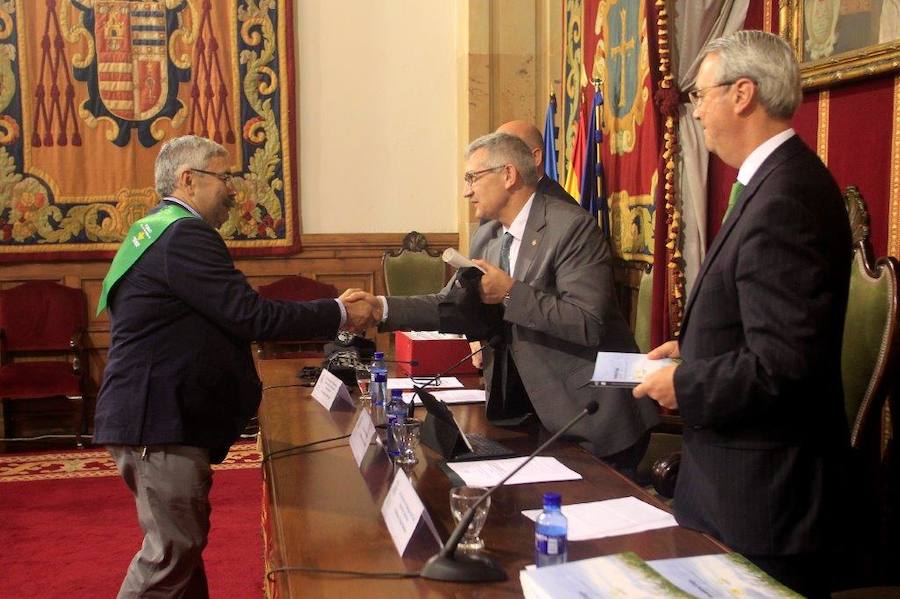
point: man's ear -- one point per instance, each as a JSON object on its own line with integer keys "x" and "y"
{"x": 745, "y": 95}
{"x": 511, "y": 176}
{"x": 186, "y": 178}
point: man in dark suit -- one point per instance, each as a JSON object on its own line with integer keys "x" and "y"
{"x": 535, "y": 142}
{"x": 180, "y": 384}
{"x": 759, "y": 387}
{"x": 546, "y": 263}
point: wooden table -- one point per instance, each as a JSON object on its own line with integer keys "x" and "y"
{"x": 320, "y": 511}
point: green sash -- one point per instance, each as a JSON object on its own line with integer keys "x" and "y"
{"x": 140, "y": 236}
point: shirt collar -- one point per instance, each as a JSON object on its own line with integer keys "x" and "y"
{"x": 517, "y": 227}
{"x": 758, "y": 156}
{"x": 183, "y": 205}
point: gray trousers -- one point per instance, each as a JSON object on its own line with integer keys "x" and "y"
{"x": 170, "y": 484}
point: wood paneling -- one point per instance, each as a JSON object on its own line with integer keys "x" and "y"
{"x": 343, "y": 260}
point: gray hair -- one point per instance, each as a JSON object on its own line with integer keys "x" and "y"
{"x": 180, "y": 154}
{"x": 768, "y": 61}
{"x": 503, "y": 148}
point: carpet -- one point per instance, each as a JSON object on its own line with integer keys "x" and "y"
{"x": 68, "y": 527}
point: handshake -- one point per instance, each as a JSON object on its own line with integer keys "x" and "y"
{"x": 363, "y": 310}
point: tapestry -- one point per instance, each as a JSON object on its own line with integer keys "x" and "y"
{"x": 607, "y": 41}
{"x": 89, "y": 91}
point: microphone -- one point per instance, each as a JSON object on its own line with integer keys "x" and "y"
{"x": 493, "y": 342}
{"x": 447, "y": 566}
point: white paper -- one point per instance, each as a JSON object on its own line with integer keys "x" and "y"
{"x": 330, "y": 388}
{"x": 615, "y": 368}
{"x": 457, "y": 260}
{"x": 361, "y": 437}
{"x": 445, "y": 382}
{"x": 450, "y": 397}
{"x": 610, "y": 518}
{"x": 487, "y": 473}
{"x": 401, "y": 510}
{"x": 432, "y": 336}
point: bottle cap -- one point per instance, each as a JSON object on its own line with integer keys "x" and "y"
{"x": 552, "y": 499}
{"x": 396, "y": 393}
{"x": 379, "y": 355}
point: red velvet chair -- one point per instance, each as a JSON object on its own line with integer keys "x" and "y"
{"x": 295, "y": 288}
{"x": 41, "y": 325}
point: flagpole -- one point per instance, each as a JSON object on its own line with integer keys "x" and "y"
{"x": 597, "y": 83}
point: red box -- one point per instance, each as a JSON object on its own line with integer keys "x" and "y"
{"x": 434, "y": 356}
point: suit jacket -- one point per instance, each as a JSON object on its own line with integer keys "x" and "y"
{"x": 562, "y": 310}
{"x": 180, "y": 368}
{"x": 551, "y": 189}
{"x": 760, "y": 386}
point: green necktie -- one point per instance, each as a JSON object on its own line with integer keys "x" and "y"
{"x": 732, "y": 199}
{"x": 504, "y": 251}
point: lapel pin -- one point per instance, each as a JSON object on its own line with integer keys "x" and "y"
{"x": 533, "y": 242}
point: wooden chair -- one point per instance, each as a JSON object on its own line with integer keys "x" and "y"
{"x": 295, "y": 288}
{"x": 414, "y": 269}
{"x": 41, "y": 328}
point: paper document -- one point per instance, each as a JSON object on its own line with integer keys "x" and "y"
{"x": 450, "y": 397}
{"x": 432, "y": 336}
{"x": 614, "y": 576}
{"x": 722, "y": 575}
{"x": 610, "y": 518}
{"x": 457, "y": 260}
{"x": 445, "y": 382}
{"x": 625, "y": 370}
{"x": 488, "y": 473}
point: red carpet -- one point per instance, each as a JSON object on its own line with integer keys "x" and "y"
{"x": 74, "y": 537}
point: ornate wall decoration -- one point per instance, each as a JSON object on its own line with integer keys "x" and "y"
{"x": 89, "y": 90}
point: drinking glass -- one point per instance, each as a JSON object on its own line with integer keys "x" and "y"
{"x": 461, "y": 499}
{"x": 407, "y": 435}
{"x": 363, "y": 380}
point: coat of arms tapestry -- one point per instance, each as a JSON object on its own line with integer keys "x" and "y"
{"x": 89, "y": 91}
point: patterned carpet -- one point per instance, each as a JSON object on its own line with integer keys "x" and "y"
{"x": 91, "y": 463}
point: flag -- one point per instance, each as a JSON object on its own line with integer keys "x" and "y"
{"x": 550, "y": 168}
{"x": 573, "y": 177}
{"x": 592, "y": 197}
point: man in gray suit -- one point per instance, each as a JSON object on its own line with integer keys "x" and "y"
{"x": 547, "y": 264}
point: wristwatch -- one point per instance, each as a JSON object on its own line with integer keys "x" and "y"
{"x": 506, "y": 298}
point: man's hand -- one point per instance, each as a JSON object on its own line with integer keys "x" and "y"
{"x": 495, "y": 283}
{"x": 363, "y": 310}
{"x": 660, "y": 385}
{"x": 477, "y": 359}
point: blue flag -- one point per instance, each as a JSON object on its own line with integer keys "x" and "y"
{"x": 593, "y": 198}
{"x": 550, "y": 167}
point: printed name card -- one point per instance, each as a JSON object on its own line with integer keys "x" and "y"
{"x": 329, "y": 389}
{"x": 402, "y": 510}
{"x": 361, "y": 437}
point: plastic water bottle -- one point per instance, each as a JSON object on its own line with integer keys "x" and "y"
{"x": 551, "y": 533}
{"x": 379, "y": 388}
{"x": 394, "y": 412}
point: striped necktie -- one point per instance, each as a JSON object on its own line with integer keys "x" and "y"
{"x": 732, "y": 199}
{"x": 504, "y": 252}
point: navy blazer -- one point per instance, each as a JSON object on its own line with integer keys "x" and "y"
{"x": 180, "y": 369}
{"x": 760, "y": 386}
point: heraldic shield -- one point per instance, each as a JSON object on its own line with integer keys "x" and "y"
{"x": 131, "y": 79}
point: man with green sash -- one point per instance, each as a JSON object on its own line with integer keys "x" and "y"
{"x": 180, "y": 383}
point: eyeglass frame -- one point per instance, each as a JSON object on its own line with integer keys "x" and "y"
{"x": 225, "y": 177}
{"x": 472, "y": 176}
{"x": 696, "y": 96}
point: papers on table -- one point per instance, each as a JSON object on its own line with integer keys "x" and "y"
{"x": 432, "y": 335}
{"x": 610, "y": 518}
{"x": 625, "y": 370}
{"x": 445, "y": 382}
{"x": 722, "y": 575}
{"x": 450, "y": 397}
{"x": 487, "y": 473}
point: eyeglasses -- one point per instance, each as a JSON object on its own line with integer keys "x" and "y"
{"x": 472, "y": 176}
{"x": 223, "y": 177}
{"x": 697, "y": 95}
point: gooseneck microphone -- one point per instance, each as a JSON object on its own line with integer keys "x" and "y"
{"x": 493, "y": 342}
{"x": 450, "y": 567}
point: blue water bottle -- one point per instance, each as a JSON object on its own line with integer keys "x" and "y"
{"x": 379, "y": 388}
{"x": 394, "y": 412}
{"x": 551, "y": 533}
